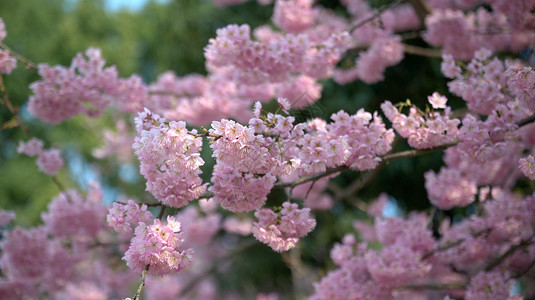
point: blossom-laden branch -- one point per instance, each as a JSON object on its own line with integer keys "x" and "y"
{"x": 29, "y": 64}
{"x": 510, "y": 251}
{"x": 377, "y": 14}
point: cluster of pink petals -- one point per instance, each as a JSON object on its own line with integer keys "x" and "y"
{"x": 276, "y": 58}
{"x": 32, "y": 263}
{"x": 527, "y": 166}
{"x": 449, "y": 189}
{"x": 239, "y": 192}
{"x": 125, "y": 217}
{"x": 170, "y": 159}
{"x": 116, "y": 143}
{"x": 488, "y": 82}
{"x": 423, "y": 130}
{"x": 282, "y": 232}
{"x": 490, "y": 139}
{"x": 293, "y": 16}
{"x": 86, "y": 87}
{"x": 49, "y": 161}
{"x": 198, "y": 228}
{"x": 6, "y": 216}
{"x": 73, "y": 216}
{"x": 486, "y": 285}
{"x": 7, "y": 62}
{"x": 157, "y": 246}
{"x": 460, "y": 34}
{"x": 410, "y": 253}
{"x": 366, "y": 135}
{"x": 248, "y": 158}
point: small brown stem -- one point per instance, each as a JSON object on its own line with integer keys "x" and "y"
{"x": 142, "y": 284}
{"x": 24, "y": 60}
{"x": 377, "y": 14}
{"x": 436, "y": 286}
{"x": 415, "y": 50}
{"x": 162, "y": 211}
{"x": 507, "y": 253}
{"x": 422, "y": 9}
{"x": 526, "y": 121}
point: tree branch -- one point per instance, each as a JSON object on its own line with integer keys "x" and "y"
{"x": 142, "y": 284}
{"x": 415, "y": 50}
{"x": 378, "y": 13}
{"x": 509, "y": 251}
{"x": 29, "y": 64}
{"x": 526, "y": 121}
{"x": 422, "y": 9}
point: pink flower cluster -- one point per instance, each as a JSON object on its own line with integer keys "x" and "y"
{"x": 32, "y": 263}
{"x": 199, "y": 228}
{"x": 272, "y": 60}
{"x": 527, "y": 166}
{"x": 85, "y": 87}
{"x": 157, "y": 246}
{"x": 424, "y": 129}
{"x": 366, "y": 136}
{"x": 488, "y": 82}
{"x": 170, "y": 159}
{"x": 412, "y": 256}
{"x": 49, "y": 161}
{"x": 449, "y": 188}
{"x": 282, "y": 232}
{"x": 7, "y": 62}
{"x": 460, "y": 34}
{"x": 73, "y": 216}
{"x": 293, "y": 16}
{"x": 6, "y": 216}
{"x": 249, "y": 158}
{"x": 485, "y": 285}
{"x": 125, "y": 217}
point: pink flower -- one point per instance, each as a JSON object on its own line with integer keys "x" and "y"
{"x": 437, "y": 100}
{"x": 50, "y": 161}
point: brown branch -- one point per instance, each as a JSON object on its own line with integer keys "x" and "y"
{"x": 142, "y": 284}
{"x": 526, "y": 270}
{"x": 415, "y": 50}
{"x": 192, "y": 283}
{"x": 526, "y": 121}
{"x": 162, "y": 210}
{"x": 413, "y": 153}
{"x": 509, "y": 251}
{"x": 453, "y": 244}
{"x": 377, "y": 14}
{"x": 422, "y": 9}
{"x": 306, "y": 179}
{"x": 29, "y": 64}
{"x": 435, "y": 286}
{"x": 168, "y": 93}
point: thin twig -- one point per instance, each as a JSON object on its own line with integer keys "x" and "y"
{"x": 526, "y": 270}
{"x": 162, "y": 210}
{"x": 435, "y": 286}
{"x": 415, "y": 50}
{"x": 192, "y": 283}
{"x": 24, "y": 60}
{"x": 142, "y": 284}
{"x": 413, "y": 153}
{"x": 509, "y": 251}
{"x": 378, "y": 13}
{"x": 422, "y": 9}
{"x": 526, "y": 121}
{"x": 302, "y": 180}
{"x": 168, "y": 93}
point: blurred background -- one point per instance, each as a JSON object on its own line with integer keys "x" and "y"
{"x": 148, "y": 38}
